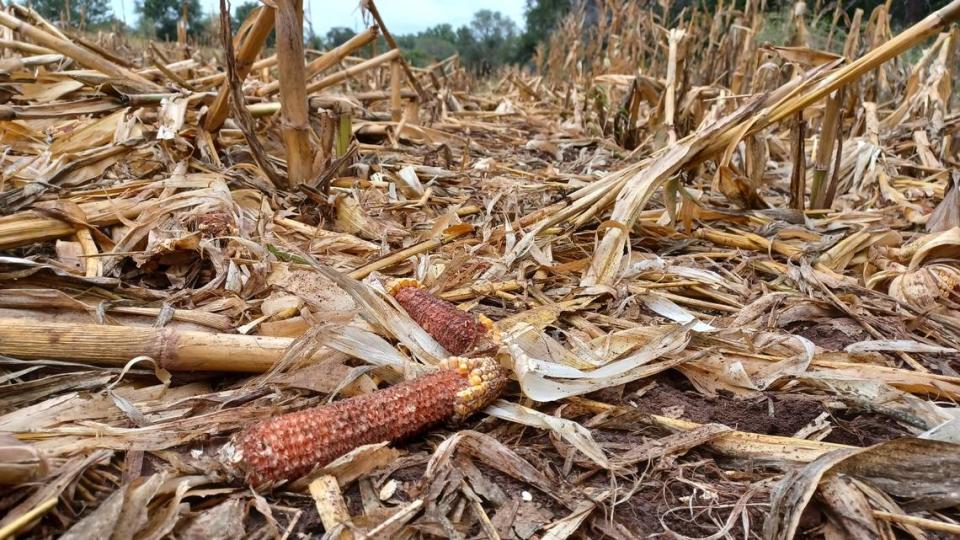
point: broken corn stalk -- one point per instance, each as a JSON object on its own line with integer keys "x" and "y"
{"x": 290, "y": 446}
{"x": 457, "y": 331}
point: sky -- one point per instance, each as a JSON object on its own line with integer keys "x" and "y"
{"x": 400, "y": 16}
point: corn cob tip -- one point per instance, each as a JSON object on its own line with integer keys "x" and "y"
{"x": 397, "y": 284}
{"x": 457, "y": 331}
{"x": 492, "y": 330}
{"x": 485, "y": 381}
{"x": 230, "y": 456}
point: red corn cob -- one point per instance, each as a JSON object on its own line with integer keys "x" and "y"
{"x": 289, "y": 446}
{"x": 456, "y": 330}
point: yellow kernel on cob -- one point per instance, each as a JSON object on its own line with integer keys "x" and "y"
{"x": 402, "y": 283}
{"x": 291, "y": 445}
{"x": 486, "y": 382}
{"x": 457, "y": 331}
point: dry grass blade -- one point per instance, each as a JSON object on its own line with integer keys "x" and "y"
{"x": 327, "y": 59}
{"x": 78, "y": 53}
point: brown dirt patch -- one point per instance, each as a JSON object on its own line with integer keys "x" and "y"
{"x": 770, "y": 414}
{"x": 864, "y": 429}
{"x": 675, "y": 502}
{"x": 830, "y": 334}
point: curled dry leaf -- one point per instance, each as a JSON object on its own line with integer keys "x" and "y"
{"x": 910, "y": 468}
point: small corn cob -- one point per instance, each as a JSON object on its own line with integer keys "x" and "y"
{"x": 457, "y": 331}
{"x": 289, "y": 446}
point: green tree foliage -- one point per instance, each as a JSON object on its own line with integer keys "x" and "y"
{"x": 443, "y": 32}
{"x": 494, "y": 40}
{"x": 490, "y": 40}
{"x": 542, "y": 16}
{"x": 437, "y": 43}
{"x": 83, "y": 13}
{"x": 338, "y": 35}
{"x": 432, "y": 44}
{"x": 160, "y": 17}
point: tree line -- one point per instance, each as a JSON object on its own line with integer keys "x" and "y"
{"x": 490, "y": 40}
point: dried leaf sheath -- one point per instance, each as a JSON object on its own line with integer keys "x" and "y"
{"x": 291, "y": 445}
{"x": 457, "y": 331}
